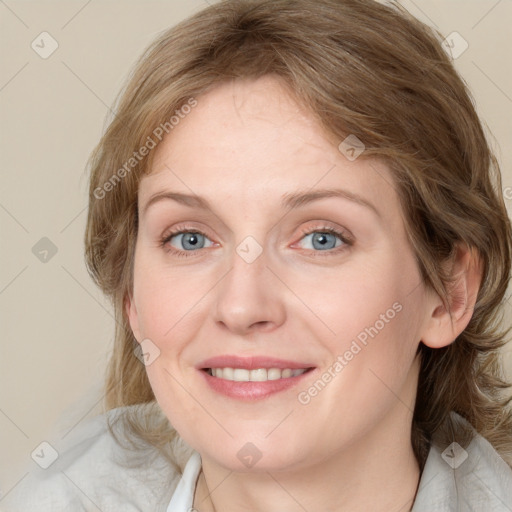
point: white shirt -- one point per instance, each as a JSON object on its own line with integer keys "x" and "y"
{"x": 92, "y": 472}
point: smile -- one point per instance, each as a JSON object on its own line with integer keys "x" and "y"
{"x": 256, "y": 375}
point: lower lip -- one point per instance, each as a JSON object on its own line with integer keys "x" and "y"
{"x": 251, "y": 390}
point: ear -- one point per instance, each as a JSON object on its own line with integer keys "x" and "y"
{"x": 447, "y": 321}
{"x": 132, "y": 315}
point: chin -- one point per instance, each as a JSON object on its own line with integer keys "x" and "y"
{"x": 254, "y": 454}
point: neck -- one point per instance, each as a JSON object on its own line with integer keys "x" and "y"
{"x": 378, "y": 473}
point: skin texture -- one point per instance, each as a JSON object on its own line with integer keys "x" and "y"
{"x": 243, "y": 148}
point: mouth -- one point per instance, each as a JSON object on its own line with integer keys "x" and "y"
{"x": 257, "y": 375}
{"x": 252, "y": 378}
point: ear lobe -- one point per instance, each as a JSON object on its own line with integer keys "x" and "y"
{"x": 132, "y": 315}
{"x": 447, "y": 321}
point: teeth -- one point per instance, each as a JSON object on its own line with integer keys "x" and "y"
{"x": 257, "y": 375}
{"x": 239, "y": 374}
{"x": 227, "y": 373}
{"x": 273, "y": 374}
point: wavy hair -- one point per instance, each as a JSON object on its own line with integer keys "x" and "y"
{"x": 361, "y": 68}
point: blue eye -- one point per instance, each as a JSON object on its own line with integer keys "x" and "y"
{"x": 189, "y": 240}
{"x": 324, "y": 240}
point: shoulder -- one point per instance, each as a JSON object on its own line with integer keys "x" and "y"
{"x": 473, "y": 478}
{"x": 93, "y": 471}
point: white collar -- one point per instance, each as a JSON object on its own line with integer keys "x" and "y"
{"x": 183, "y": 496}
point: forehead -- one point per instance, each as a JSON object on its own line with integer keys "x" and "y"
{"x": 248, "y": 114}
{"x": 249, "y": 141}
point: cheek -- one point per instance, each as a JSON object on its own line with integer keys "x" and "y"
{"x": 372, "y": 355}
{"x": 166, "y": 297}
{"x": 369, "y": 315}
{"x": 173, "y": 395}
{"x": 344, "y": 302}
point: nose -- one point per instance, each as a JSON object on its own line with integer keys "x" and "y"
{"x": 250, "y": 297}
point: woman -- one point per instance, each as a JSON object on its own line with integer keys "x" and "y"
{"x": 300, "y": 224}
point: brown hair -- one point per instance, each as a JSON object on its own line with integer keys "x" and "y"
{"x": 361, "y": 68}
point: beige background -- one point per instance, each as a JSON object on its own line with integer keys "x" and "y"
{"x": 56, "y": 327}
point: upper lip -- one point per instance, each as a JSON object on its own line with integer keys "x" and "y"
{"x": 250, "y": 362}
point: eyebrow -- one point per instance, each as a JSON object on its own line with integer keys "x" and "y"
{"x": 298, "y": 199}
{"x": 289, "y": 201}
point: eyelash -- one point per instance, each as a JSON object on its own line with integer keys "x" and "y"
{"x": 347, "y": 242}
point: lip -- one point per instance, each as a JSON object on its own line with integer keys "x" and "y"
{"x": 250, "y": 391}
{"x": 251, "y": 363}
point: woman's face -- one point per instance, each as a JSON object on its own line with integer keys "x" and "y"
{"x": 265, "y": 249}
